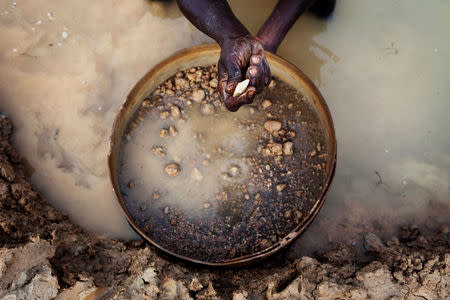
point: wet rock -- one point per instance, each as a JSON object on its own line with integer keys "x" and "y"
{"x": 288, "y": 148}
{"x": 198, "y": 95}
{"x": 181, "y": 84}
{"x": 273, "y": 149}
{"x": 173, "y": 130}
{"x": 213, "y": 83}
{"x": 195, "y": 285}
{"x": 272, "y": 126}
{"x": 158, "y": 151}
{"x": 266, "y": 104}
{"x": 164, "y": 133}
{"x": 372, "y": 243}
{"x": 164, "y": 114}
{"x": 172, "y": 169}
{"x": 281, "y": 187}
{"x": 175, "y": 112}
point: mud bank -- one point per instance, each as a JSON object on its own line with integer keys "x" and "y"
{"x": 44, "y": 256}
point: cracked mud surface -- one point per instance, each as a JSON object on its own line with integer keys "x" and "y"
{"x": 44, "y": 256}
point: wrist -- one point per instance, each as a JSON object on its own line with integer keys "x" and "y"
{"x": 232, "y": 33}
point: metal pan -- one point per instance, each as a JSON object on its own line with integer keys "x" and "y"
{"x": 205, "y": 55}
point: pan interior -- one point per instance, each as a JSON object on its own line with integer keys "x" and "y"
{"x": 215, "y": 186}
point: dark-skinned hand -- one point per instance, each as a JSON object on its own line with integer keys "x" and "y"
{"x": 242, "y": 58}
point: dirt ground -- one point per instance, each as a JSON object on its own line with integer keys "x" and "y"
{"x": 44, "y": 256}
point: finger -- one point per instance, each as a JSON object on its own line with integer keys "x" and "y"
{"x": 267, "y": 73}
{"x": 257, "y": 62}
{"x": 256, "y": 78}
{"x": 223, "y": 81}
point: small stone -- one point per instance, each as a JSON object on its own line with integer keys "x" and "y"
{"x": 175, "y": 112}
{"x": 196, "y": 175}
{"x": 272, "y": 84}
{"x": 234, "y": 171}
{"x": 159, "y": 151}
{"x": 143, "y": 207}
{"x": 240, "y": 87}
{"x": 173, "y": 130}
{"x": 156, "y": 196}
{"x": 181, "y": 83}
{"x": 172, "y": 169}
{"x": 313, "y": 153}
{"x": 207, "y": 109}
{"x": 166, "y": 210}
{"x": 319, "y": 147}
{"x": 290, "y": 106}
{"x": 288, "y": 214}
{"x": 266, "y": 104}
{"x": 213, "y": 83}
{"x": 272, "y": 126}
{"x": 207, "y": 205}
{"x": 131, "y": 184}
{"x": 288, "y": 148}
{"x": 164, "y": 133}
{"x": 372, "y": 243}
{"x": 164, "y": 114}
{"x": 198, "y": 95}
{"x": 281, "y": 187}
{"x": 273, "y": 149}
{"x": 265, "y": 243}
{"x": 195, "y": 285}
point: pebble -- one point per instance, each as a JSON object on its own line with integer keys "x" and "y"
{"x": 372, "y": 243}
{"x": 207, "y": 205}
{"x": 175, "y": 112}
{"x": 158, "y": 150}
{"x": 265, "y": 243}
{"x": 266, "y": 104}
{"x": 273, "y": 149}
{"x": 207, "y": 109}
{"x": 288, "y": 148}
{"x": 198, "y": 95}
{"x": 166, "y": 210}
{"x": 213, "y": 83}
{"x": 173, "y": 130}
{"x": 281, "y": 187}
{"x": 172, "y": 169}
{"x": 131, "y": 184}
{"x": 240, "y": 87}
{"x": 164, "y": 133}
{"x": 156, "y": 196}
{"x": 143, "y": 207}
{"x": 272, "y": 126}
{"x": 195, "y": 285}
{"x": 164, "y": 114}
{"x": 181, "y": 83}
{"x": 196, "y": 175}
{"x": 288, "y": 214}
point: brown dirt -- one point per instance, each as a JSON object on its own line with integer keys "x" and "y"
{"x": 43, "y": 256}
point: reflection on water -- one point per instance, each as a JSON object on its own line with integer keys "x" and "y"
{"x": 382, "y": 66}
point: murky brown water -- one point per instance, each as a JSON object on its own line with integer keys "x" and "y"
{"x": 382, "y": 66}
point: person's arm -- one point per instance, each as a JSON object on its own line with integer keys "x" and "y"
{"x": 242, "y": 56}
{"x": 280, "y": 21}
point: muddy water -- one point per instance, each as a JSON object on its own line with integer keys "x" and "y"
{"x": 382, "y": 66}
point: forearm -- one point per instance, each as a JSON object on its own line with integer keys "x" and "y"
{"x": 280, "y": 21}
{"x": 214, "y": 18}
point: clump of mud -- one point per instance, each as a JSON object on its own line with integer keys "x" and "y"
{"x": 213, "y": 185}
{"x": 44, "y": 256}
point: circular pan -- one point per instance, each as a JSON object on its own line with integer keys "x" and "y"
{"x": 207, "y": 55}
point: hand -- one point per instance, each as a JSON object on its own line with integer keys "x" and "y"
{"x": 242, "y": 58}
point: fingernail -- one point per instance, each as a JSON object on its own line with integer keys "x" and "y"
{"x": 253, "y": 71}
{"x": 255, "y": 60}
